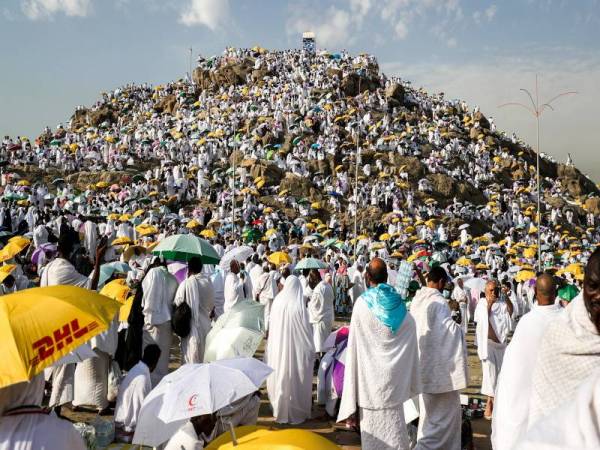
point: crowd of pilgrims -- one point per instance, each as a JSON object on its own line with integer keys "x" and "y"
{"x": 408, "y": 298}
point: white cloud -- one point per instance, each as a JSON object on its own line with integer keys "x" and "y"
{"x": 491, "y": 82}
{"x": 337, "y": 25}
{"x": 490, "y": 12}
{"x": 213, "y": 14}
{"x": 46, "y": 9}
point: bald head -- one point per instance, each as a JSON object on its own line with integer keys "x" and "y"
{"x": 545, "y": 290}
{"x": 377, "y": 271}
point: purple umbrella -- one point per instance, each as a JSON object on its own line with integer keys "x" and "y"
{"x": 178, "y": 270}
{"x": 47, "y": 250}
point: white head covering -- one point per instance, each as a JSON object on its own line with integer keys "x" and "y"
{"x": 30, "y": 393}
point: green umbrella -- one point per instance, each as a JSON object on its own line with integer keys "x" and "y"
{"x": 138, "y": 177}
{"x": 310, "y": 263}
{"x": 329, "y": 242}
{"x": 183, "y": 247}
{"x": 568, "y": 293}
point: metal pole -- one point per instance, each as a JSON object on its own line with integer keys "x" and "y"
{"x": 190, "y": 65}
{"x": 356, "y": 178}
{"x": 539, "y": 211}
{"x": 233, "y": 190}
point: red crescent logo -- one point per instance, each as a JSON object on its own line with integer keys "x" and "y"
{"x": 192, "y": 400}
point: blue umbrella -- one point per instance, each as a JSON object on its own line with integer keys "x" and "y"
{"x": 109, "y": 269}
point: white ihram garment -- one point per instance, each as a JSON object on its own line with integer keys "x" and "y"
{"x": 511, "y": 404}
{"x": 321, "y": 314}
{"x": 443, "y": 367}
{"x": 233, "y": 290}
{"x": 491, "y": 353}
{"x": 290, "y": 352}
{"x": 568, "y": 354}
{"x": 133, "y": 390}
{"x": 159, "y": 288}
{"x": 381, "y": 373}
{"x": 198, "y": 293}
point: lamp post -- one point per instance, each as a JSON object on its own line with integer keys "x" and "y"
{"x": 536, "y": 110}
{"x": 356, "y": 173}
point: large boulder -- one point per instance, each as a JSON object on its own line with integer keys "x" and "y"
{"x": 574, "y": 181}
{"x": 299, "y": 186}
{"x": 354, "y": 84}
{"x": 269, "y": 170}
{"x": 483, "y": 122}
{"x": 442, "y": 184}
{"x": 592, "y": 205}
{"x": 167, "y": 104}
{"x": 414, "y": 168}
{"x": 234, "y": 73}
{"x": 394, "y": 94}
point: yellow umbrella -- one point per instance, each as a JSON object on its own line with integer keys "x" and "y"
{"x": 455, "y": 244}
{"x": 525, "y": 275}
{"x": 315, "y": 205}
{"x": 283, "y": 192}
{"x": 123, "y": 240}
{"x": 23, "y": 183}
{"x": 41, "y": 325}
{"x": 116, "y": 289}
{"x": 575, "y": 269}
{"x": 385, "y": 237}
{"x": 130, "y": 250}
{"x": 125, "y": 309}
{"x": 12, "y": 249}
{"x": 270, "y": 232}
{"x": 209, "y": 234}
{"x": 125, "y": 217}
{"x": 138, "y": 213}
{"x": 463, "y": 261}
{"x": 251, "y": 437}
{"x": 529, "y": 252}
{"x": 145, "y": 229}
{"x": 102, "y": 184}
{"x": 113, "y": 216}
{"x": 6, "y": 270}
{"x": 279, "y": 258}
{"x": 192, "y": 224}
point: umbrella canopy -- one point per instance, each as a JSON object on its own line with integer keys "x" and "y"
{"x": 208, "y": 233}
{"x": 193, "y": 390}
{"x": 279, "y": 258}
{"x": 261, "y": 438}
{"x": 15, "y": 246}
{"x": 240, "y": 254}
{"x": 477, "y": 284}
{"x": 41, "y": 325}
{"x": 238, "y": 332}
{"x": 178, "y": 270}
{"x": 183, "y": 247}
{"x": 6, "y": 270}
{"x": 568, "y": 293}
{"x": 109, "y": 269}
{"x": 311, "y": 263}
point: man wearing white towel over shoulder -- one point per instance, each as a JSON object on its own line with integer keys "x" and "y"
{"x": 382, "y": 366}
{"x": 443, "y": 366}
{"x": 493, "y": 316}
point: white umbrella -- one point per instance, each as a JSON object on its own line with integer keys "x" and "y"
{"x": 477, "y": 284}
{"x": 464, "y": 226}
{"x": 194, "y": 390}
{"x": 241, "y": 254}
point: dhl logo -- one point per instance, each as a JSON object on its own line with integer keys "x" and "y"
{"x": 60, "y": 338}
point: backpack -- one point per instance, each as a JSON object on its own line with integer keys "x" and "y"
{"x": 181, "y": 320}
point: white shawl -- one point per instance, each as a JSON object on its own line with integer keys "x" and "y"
{"x": 441, "y": 343}
{"x": 381, "y": 368}
{"x": 500, "y": 320}
{"x": 511, "y": 404}
{"x": 570, "y": 352}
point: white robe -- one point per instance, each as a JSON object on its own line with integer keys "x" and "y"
{"x": 321, "y": 314}
{"x": 90, "y": 241}
{"x": 198, "y": 293}
{"x": 133, "y": 390}
{"x": 290, "y": 352}
{"x": 266, "y": 289}
{"x": 233, "y": 290}
{"x": 511, "y": 404}
{"x": 159, "y": 290}
{"x": 381, "y": 373}
{"x": 443, "y": 364}
{"x": 568, "y": 354}
{"x": 33, "y": 431}
{"x": 571, "y": 426}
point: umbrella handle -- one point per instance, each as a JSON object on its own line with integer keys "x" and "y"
{"x": 232, "y": 432}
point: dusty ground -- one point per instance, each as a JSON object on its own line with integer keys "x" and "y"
{"x": 323, "y": 425}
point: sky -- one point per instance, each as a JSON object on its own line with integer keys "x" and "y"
{"x": 57, "y": 54}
